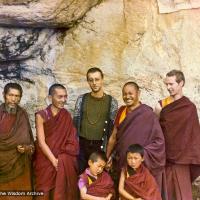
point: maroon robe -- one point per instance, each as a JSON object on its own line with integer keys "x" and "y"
{"x": 60, "y": 136}
{"x": 15, "y": 167}
{"x": 180, "y": 125}
{"x": 142, "y": 184}
{"x": 6, "y": 122}
{"x": 141, "y": 126}
{"x": 101, "y": 187}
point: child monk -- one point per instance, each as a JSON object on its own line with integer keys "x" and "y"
{"x": 95, "y": 183}
{"x": 136, "y": 182}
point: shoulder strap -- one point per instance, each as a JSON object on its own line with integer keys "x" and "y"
{"x": 82, "y": 104}
{"x": 109, "y": 103}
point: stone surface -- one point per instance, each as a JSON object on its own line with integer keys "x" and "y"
{"x": 43, "y": 13}
{"x": 134, "y": 43}
{"x": 16, "y": 2}
{"x": 128, "y": 40}
{"x": 168, "y": 6}
{"x": 27, "y": 56}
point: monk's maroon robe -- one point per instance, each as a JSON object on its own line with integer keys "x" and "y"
{"x": 142, "y": 184}
{"x": 60, "y": 136}
{"x": 141, "y": 126}
{"x": 180, "y": 125}
{"x": 15, "y": 167}
{"x": 6, "y": 122}
{"x": 101, "y": 187}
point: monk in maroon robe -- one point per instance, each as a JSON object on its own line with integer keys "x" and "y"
{"x": 136, "y": 182}
{"x": 180, "y": 125}
{"x": 55, "y": 161}
{"x": 94, "y": 182}
{"x": 136, "y": 123}
{"x": 101, "y": 187}
{"x": 142, "y": 185}
{"x": 142, "y": 127}
{"x": 16, "y": 145}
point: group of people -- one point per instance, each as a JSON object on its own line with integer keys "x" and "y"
{"x": 150, "y": 154}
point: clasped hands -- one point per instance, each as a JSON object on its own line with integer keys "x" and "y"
{"x": 26, "y": 148}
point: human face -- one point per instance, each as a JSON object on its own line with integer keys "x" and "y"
{"x": 97, "y": 166}
{"x": 12, "y": 98}
{"x": 130, "y": 95}
{"x": 134, "y": 160}
{"x": 95, "y": 81}
{"x": 58, "y": 98}
{"x": 173, "y": 87}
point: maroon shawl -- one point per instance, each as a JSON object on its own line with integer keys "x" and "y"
{"x": 180, "y": 125}
{"x": 143, "y": 185}
{"x": 12, "y": 163}
{"x": 141, "y": 126}
{"x": 101, "y": 187}
{"x": 60, "y": 136}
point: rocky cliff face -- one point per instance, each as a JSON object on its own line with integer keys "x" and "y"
{"x": 128, "y": 40}
{"x": 43, "y": 42}
{"x": 132, "y": 41}
{"x": 168, "y": 6}
{"x": 43, "y": 13}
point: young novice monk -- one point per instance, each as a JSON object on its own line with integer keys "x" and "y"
{"x": 95, "y": 183}
{"x": 136, "y": 182}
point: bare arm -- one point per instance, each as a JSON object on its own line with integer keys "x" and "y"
{"x": 122, "y": 191}
{"x": 85, "y": 196}
{"x": 109, "y": 196}
{"x": 158, "y": 109}
{"x": 111, "y": 142}
{"x": 41, "y": 141}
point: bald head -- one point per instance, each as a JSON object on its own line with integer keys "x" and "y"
{"x": 132, "y": 83}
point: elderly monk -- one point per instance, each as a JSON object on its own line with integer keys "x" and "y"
{"x": 180, "y": 125}
{"x": 16, "y": 144}
{"x": 136, "y": 123}
{"x": 57, "y": 148}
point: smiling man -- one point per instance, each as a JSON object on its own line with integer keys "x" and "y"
{"x": 180, "y": 125}
{"x": 57, "y": 148}
{"x": 136, "y": 123}
{"x": 16, "y": 144}
{"x": 93, "y": 117}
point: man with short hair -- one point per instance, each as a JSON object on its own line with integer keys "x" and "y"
{"x": 180, "y": 125}
{"x": 57, "y": 148}
{"x": 16, "y": 144}
{"x": 93, "y": 117}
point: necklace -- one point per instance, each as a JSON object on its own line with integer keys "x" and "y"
{"x": 99, "y": 112}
